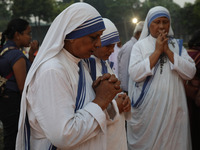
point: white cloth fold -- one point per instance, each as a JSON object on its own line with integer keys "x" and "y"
{"x": 161, "y": 121}
{"x": 52, "y": 45}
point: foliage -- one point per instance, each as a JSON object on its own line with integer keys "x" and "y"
{"x": 20, "y": 8}
{"x": 38, "y": 9}
{"x": 197, "y": 8}
{"x": 4, "y": 15}
{"x": 60, "y": 6}
{"x": 119, "y": 11}
{"x": 192, "y": 23}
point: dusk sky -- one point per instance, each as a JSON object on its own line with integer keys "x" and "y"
{"x": 180, "y": 2}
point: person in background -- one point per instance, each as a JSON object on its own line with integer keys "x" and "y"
{"x": 14, "y": 67}
{"x": 62, "y": 108}
{"x": 192, "y": 89}
{"x": 116, "y": 130}
{"x": 158, "y": 65}
{"x": 33, "y": 50}
{"x": 123, "y": 57}
{"x": 113, "y": 58}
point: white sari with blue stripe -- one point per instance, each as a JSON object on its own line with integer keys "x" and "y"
{"x": 77, "y": 124}
{"x": 51, "y": 107}
{"x": 116, "y": 132}
{"x": 159, "y": 110}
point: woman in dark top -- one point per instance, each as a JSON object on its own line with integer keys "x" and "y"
{"x": 14, "y": 66}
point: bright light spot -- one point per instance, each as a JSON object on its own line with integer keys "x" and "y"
{"x": 134, "y": 20}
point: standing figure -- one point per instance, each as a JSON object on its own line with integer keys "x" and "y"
{"x": 113, "y": 58}
{"x": 61, "y": 108}
{"x": 158, "y": 65}
{"x": 124, "y": 54}
{"x": 13, "y": 67}
{"x": 116, "y": 134}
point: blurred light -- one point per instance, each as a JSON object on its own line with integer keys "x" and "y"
{"x": 134, "y": 20}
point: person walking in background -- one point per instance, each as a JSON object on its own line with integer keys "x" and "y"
{"x": 116, "y": 134}
{"x": 158, "y": 65}
{"x": 192, "y": 89}
{"x": 60, "y": 106}
{"x": 123, "y": 57}
{"x": 14, "y": 67}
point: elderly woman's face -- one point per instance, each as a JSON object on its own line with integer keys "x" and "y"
{"x": 83, "y": 47}
{"x": 104, "y": 52}
{"x": 158, "y": 25}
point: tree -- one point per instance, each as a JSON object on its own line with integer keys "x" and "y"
{"x": 119, "y": 11}
{"x": 37, "y": 9}
{"x": 197, "y": 10}
{"x": 190, "y": 19}
{"x": 4, "y": 15}
{"x": 60, "y": 6}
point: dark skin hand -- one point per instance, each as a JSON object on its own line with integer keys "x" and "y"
{"x": 110, "y": 78}
{"x": 123, "y": 103}
{"x": 34, "y": 46}
{"x": 161, "y": 47}
{"x": 106, "y": 88}
{"x": 161, "y": 41}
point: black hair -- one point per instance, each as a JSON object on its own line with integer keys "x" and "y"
{"x": 195, "y": 40}
{"x": 15, "y": 25}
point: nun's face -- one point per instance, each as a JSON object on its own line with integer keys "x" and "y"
{"x": 83, "y": 47}
{"x": 104, "y": 52}
{"x": 159, "y": 25}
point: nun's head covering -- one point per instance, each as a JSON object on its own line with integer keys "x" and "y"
{"x": 153, "y": 14}
{"x": 110, "y": 34}
{"x": 138, "y": 28}
{"x": 76, "y": 21}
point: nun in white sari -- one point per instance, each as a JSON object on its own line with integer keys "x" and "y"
{"x": 98, "y": 65}
{"x": 59, "y": 108}
{"x": 158, "y": 65}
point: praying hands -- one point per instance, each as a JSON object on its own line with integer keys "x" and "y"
{"x": 123, "y": 103}
{"x": 106, "y": 88}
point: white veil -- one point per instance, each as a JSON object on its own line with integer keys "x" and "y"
{"x": 68, "y": 20}
{"x": 151, "y": 14}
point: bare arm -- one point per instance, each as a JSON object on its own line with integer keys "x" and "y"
{"x": 19, "y": 69}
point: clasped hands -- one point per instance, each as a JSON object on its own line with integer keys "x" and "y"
{"x": 123, "y": 103}
{"x": 162, "y": 42}
{"x": 106, "y": 88}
